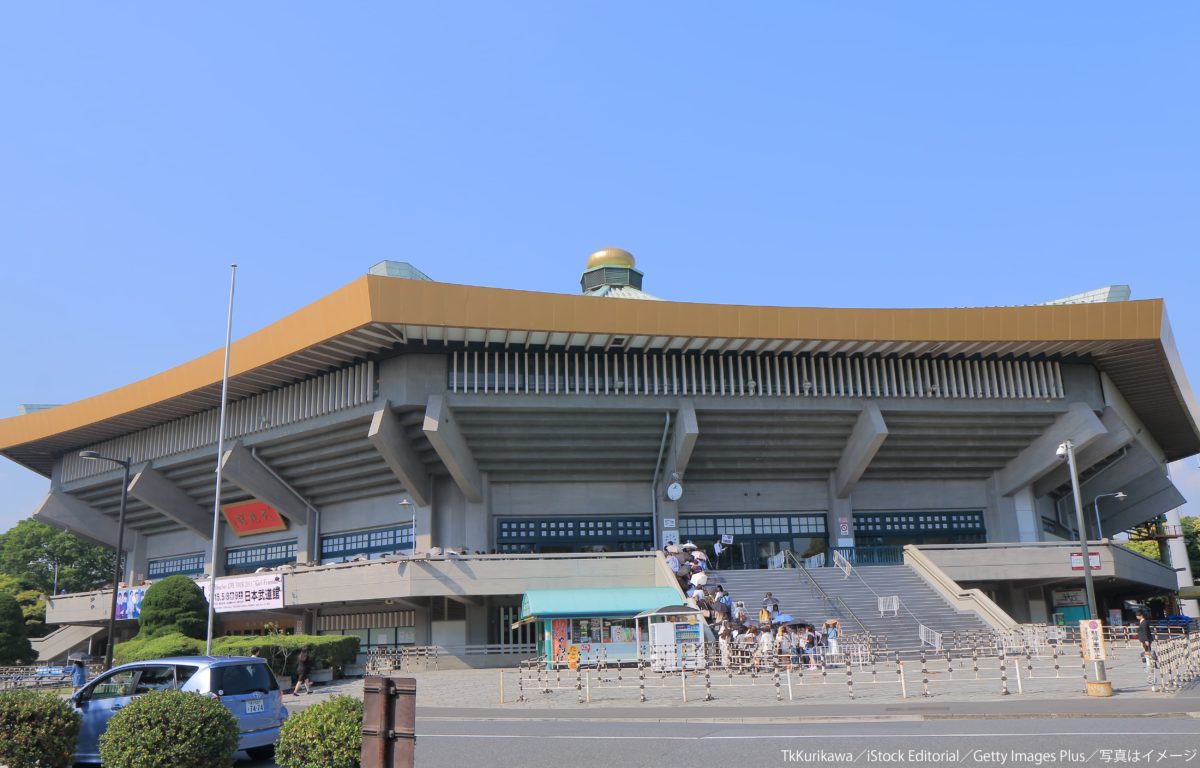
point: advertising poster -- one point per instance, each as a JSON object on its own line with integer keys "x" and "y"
{"x": 129, "y": 602}
{"x": 558, "y": 639}
{"x": 246, "y": 593}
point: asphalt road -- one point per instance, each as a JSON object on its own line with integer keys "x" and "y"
{"x": 1158, "y": 741}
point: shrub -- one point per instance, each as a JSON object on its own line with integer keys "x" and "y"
{"x": 175, "y": 604}
{"x": 170, "y": 729}
{"x": 40, "y": 729}
{"x": 142, "y": 648}
{"x": 281, "y": 650}
{"x": 325, "y": 735}
{"x": 14, "y": 643}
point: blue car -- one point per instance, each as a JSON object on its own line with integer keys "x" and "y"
{"x": 245, "y": 685}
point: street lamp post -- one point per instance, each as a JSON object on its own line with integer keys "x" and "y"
{"x": 1067, "y": 450}
{"x": 1120, "y": 495}
{"x": 112, "y": 613}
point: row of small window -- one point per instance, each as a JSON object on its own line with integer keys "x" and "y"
{"x": 188, "y": 565}
{"x": 368, "y": 542}
{"x": 572, "y": 528}
{"x": 261, "y": 555}
{"x": 918, "y": 522}
{"x": 709, "y": 527}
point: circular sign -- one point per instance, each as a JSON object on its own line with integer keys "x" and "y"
{"x": 674, "y": 491}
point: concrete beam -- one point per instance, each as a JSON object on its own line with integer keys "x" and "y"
{"x": 865, "y": 439}
{"x": 153, "y": 487}
{"x": 1119, "y": 435}
{"x": 1150, "y": 495}
{"x": 67, "y": 513}
{"x": 241, "y": 468}
{"x": 1079, "y": 425}
{"x": 452, "y": 448}
{"x": 387, "y": 435}
{"x": 687, "y": 430}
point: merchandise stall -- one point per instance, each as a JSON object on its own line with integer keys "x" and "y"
{"x": 675, "y": 638}
{"x": 591, "y": 625}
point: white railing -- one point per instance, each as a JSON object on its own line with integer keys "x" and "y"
{"x": 841, "y": 562}
{"x": 816, "y": 561}
{"x": 929, "y": 637}
{"x": 889, "y": 604}
{"x": 776, "y": 561}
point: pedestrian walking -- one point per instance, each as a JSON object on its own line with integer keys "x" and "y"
{"x": 78, "y": 674}
{"x": 303, "y": 667}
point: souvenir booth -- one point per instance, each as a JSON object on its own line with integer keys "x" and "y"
{"x": 591, "y": 625}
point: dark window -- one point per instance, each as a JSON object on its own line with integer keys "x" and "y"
{"x": 247, "y": 559}
{"x": 188, "y": 565}
{"x": 236, "y": 679}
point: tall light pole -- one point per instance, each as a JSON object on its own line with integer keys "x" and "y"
{"x": 1120, "y": 495}
{"x": 1067, "y": 450}
{"x": 112, "y": 612}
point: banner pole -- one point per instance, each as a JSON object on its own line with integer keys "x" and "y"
{"x": 216, "y": 529}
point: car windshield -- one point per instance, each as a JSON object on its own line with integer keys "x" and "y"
{"x": 235, "y": 679}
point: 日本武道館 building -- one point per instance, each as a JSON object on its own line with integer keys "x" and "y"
{"x": 558, "y": 440}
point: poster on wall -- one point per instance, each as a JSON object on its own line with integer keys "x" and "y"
{"x": 246, "y": 593}
{"x": 1064, "y": 597}
{"x": 129, "y": 602}
{"x": 558, "y": 639}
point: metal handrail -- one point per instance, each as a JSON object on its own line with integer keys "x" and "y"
{"x": 833, "y": 602}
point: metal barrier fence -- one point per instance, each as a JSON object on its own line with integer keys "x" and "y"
{"x": 42, "y": 676}
{"x": 385, "y": 661}
{"x": 1003, "y": 663}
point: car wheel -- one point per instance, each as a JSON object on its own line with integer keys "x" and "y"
{"x": 261, "y": 753}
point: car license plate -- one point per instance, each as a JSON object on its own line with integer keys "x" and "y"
{"x": 255, "y": 705}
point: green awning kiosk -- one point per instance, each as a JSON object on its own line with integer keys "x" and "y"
{"x": 591, "y": 624}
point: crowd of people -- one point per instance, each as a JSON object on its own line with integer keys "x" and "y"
{"x": 760, "y": 641}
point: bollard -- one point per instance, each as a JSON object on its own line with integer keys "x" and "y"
{"x": 579, "y": 680}
{"x": 502, "y": 686}
{"x": 789, "y": 683}
{"x": 389, "y": 736}
{"x": 587, "y": 679}
{"x": 874, "y": 677}
{"x": 850, "y": 681}
{"x": 778, "y": 691}
{"x": 924, "y": 676}
{"x": 1003, "y": 676}
{"x": 683, "y": 681}
{"x": 642, "y": 678}
{"x": 900, "y": 674}
{"x": 975, "y": 661}
{"x": 707, "y": 686}
{"x": 1017, "y": 672}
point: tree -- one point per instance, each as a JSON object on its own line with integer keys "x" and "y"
{"x": 1191, "y": 537}
{"x": 14, "y": 643}
{"x": 174, "y": 604}
{"x": 1147, "y": 548}
{"x": 31, "y": 549}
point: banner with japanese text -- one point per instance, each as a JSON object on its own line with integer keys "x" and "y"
{"x": 247, "y": 593}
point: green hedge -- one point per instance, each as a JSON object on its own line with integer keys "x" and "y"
{"x": 36, "y": 730}
{"x": 170, "y": 729}
{"x": 324, "y": 650}
{"x": 161, "y": 647}
{"x": 325, "y": 735}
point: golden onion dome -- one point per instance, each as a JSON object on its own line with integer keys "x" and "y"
{"x": 610, "y": 257}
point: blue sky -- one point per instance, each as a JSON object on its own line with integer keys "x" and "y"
{"x": 885, "y": 154}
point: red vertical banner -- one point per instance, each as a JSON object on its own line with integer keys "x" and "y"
{"x": 558, "y": 639}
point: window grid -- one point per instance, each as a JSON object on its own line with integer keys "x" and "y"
{"x": 571, "y": 529}
{"x": 762, "y": 525}
{"x": 261, "y": 555}
{"x": 188, "y": 565}
{"x": 901, "y": 523}
{"x": 368, "y": 542}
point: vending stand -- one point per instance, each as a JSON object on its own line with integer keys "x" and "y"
{"x": 675, "y": 638}
{"x": 590, "y": 625}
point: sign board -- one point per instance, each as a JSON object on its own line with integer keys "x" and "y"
{"x": 1114, "y": 617}
{"x": 843, "y": 525}
{"x": 254, "y": 516}
{"x": 1091, "y": 636}
{"x": 726, "y": 539}
{"x": 1061, "y": 597}
{"x": 246, "y": 593}
{"x": 558, "y": 639}
{"x": 670, "y": 537}
{"x": 668, "y": 522}
{"x": 129, "y": 602}
{"x": 1077, "y": 561}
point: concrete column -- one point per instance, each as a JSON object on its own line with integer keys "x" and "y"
{"x": 219, "y": 566}
{"x": 135, "y": 557}
{"x": 839, "y": 519}
{"x": 478, "y": 520}
{"x": 1177, "y": 549}
{"x": 1000, "y": 517}
{"x": 1029, "y": 528}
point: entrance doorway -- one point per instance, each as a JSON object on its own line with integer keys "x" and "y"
{"x": 756, "y": 538}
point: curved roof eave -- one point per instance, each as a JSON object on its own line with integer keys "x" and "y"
{"x": 364, "y": 317}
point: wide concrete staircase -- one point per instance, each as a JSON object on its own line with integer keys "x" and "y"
{"x": 853, "y": 601}
{"x": 58, "y": 644}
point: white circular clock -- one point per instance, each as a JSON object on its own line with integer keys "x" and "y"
{"x": 674, "y": 491}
